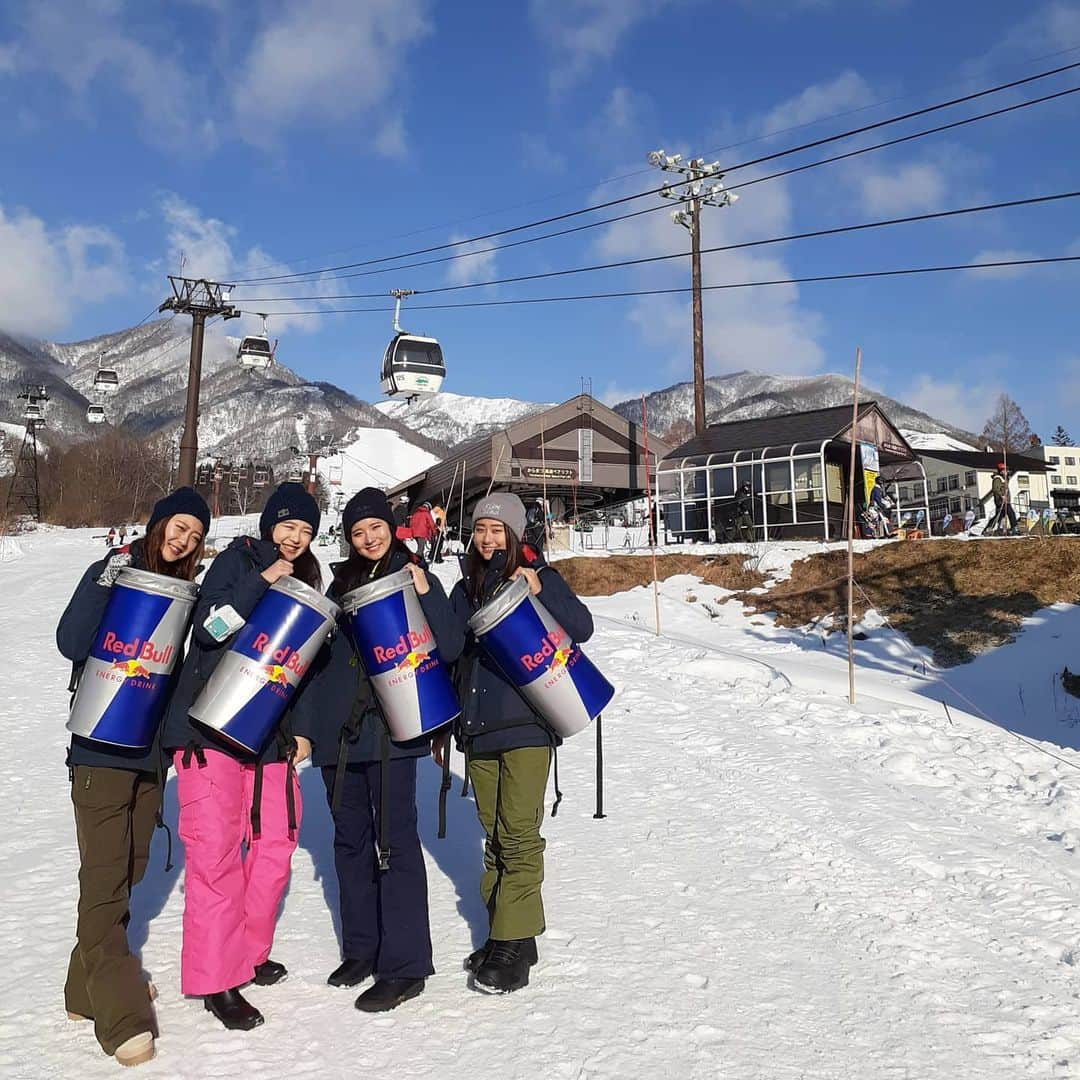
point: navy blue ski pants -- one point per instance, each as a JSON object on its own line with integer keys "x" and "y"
{"x": 384, "y": 914}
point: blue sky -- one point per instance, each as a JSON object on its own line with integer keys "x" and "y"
{"x": 276, "y": 137}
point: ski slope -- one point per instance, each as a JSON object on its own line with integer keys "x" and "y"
{"x": 784, "y": 886}
{"x": 377, "y": 457}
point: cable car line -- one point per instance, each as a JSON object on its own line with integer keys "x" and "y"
{"x": 733, "y": 187}
{"x": 654, "y": 191}
{"x": 834, "y": 231}
{"x": 906, "y": 271}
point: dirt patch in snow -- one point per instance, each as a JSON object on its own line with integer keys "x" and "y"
{"x": 958, "y": 599}
{"x": 602, "y": 577}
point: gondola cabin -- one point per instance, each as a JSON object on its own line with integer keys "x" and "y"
{"x": 412, "y": 366}
{"x": 106, "y": 381}
{"x": 95, "y": 414}
{"x": 255, "y": 353}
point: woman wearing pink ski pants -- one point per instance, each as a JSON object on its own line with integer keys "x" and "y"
{"x": 231, "y": 899}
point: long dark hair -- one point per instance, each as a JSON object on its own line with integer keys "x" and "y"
{"x": 149, "y": 546}
{"x": 306, "y": 568}
{"x": 476, "y": 567}
{"x": 357, "y": 570}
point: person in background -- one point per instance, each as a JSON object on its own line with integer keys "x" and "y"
{"x": 1003, "y": 510}
{"x": 422, "y": 527}
{"x": 110, "y": 537}
{"x": 116, "y": 794}
{"x": 123, "y": 534}
{"x": 884, "y": 507}
{"x": 536, "y": 526}
{"x": 438, "y": 515}
{"x": 401, "y": 511}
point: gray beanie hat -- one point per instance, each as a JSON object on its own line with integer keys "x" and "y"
{"x": 503, "y": 506}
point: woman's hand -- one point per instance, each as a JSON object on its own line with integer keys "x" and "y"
{"x": 440, "y": 747}
{"x": 531, "y": 576}
{"x": 276, "y": 571}
{"x": 303, "y": 749}
{"x": 423, "y": 586}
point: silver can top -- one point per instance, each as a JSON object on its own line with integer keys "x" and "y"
{"x": 376, "y": 590}
{"x": 497, "y": 608}
{"x": 297, "y": 590}
{"x": 158, "y": 584}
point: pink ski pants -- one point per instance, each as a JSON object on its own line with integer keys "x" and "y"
{"x": 231, "y": 898}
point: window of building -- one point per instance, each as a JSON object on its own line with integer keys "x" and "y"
{"x": 1071, "y": 481}
{"x": 971, "y": 478}
{"x": 943, "y": 483}
{"x": 954, "y": 483}
{"x": 1055, "y": 480}
{"x": 1023, "y": 480}
{"x": 1053, "y": 459}
{"x": 956, "y": 506}
{"x": 1070, "y": 461}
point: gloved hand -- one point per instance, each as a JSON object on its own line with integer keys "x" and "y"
{"x": 113, "y": 568}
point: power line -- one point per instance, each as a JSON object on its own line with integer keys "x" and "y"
{"x": 772, "y": 134}
{"x": 622, "y": 263}
{"x": 707, "y": 288}
{"x": 654, "y": 191}
{"x": 733, "y": 187}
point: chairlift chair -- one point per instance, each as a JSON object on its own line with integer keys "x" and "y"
{"x": 260, "y": 476}
{"x": 255, "y": 352}
{"x": 296, "y": 474}
{"x": 412, "y": 365}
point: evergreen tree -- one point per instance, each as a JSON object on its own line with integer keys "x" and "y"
{"x": 1062, "y": 437}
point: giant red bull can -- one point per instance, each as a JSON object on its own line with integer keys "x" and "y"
{"x": 537, "y": 655}
{"x": 399, "y": 653}
{"x": 247, "y": 693}
{"x": 124, "y": 686}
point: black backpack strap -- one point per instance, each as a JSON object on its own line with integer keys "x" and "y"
{"x": 599, "y": 769}
{"x": 558, "y": 793}
{"x": 159, "y": 818}
{"x": 444, "y": 787}
{"x": 73, "y": 682}
{"x": 290, "y": 797}
{"x": 384, "y": 800}
{"x": 193, "y": 749}
{"x": 339, "y": 772}
{"x": 256, "y": 802}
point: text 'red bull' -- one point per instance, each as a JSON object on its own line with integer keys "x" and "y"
{"x": 405, "y": 645}
{"x": 137, "y": 649}
{"x": 551, "y": 649}
{"x": 285, "y": 657}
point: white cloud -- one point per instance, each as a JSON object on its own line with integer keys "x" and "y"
{"x": 584, "y": 32}
{"x": 848, "y": 90}
{"x": 907, "y": 189}
{"x": 990, "y": 255}
{"x": 1051, "y": 27}
{"x": 390, "y": 140}
{"x": 477, "y": 264}
{"x": 326, "y": 62}
{"x": 613, "y": 394}
{"x": 765, "y": 329}
{"x": 620, "y": 112}
{"x": 538, "y": 154}
{"x": 46, "y": 274}
{"x": 964, "y": 404}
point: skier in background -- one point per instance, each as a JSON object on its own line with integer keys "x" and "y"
{"x": 422, "y": 527}
{"x": 438, "y": 514}
{"x": 110, "y": 539}
{"x": 536, "y": 526}
{"x": 1003, "y": 510}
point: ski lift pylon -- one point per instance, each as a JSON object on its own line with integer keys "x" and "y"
{"x": 412, "y": 365}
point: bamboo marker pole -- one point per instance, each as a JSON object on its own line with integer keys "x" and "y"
{"x": 652, "y": 526}
{"x": 851, "y": 533}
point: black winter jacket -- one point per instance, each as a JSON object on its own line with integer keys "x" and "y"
{"x": 75, "y": 634}
{"x": 339, "y": 704}
{"x": 234, "y": 578}
{"x": 495, "y": 717}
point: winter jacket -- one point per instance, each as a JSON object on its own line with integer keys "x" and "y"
{"x": 998, "y": 488}
{"x": 494, "y": 716}
{"x": 234, "y": 578}
{"x": 75, "y": 634}
{"x": 422, "y": 524}
{"x": 339, "y": 704}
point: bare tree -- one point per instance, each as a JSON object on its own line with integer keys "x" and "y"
{"x": 1007, "y": 430}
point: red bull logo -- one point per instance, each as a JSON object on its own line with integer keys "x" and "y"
{"x": 407, "y": 645}
{"x": 412, "y": 660}
{"x": 284, "y": 659}
{"x": 552, "y": 654}
{"x": 131, "y": 669}
{"x": 137, "y": 649}
{"x": 275, "y": 674}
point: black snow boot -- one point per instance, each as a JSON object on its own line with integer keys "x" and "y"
{"x": 506, "y": 968}
{"x": 269, "y": 972}
{"x": 386, "y": 994}
{"x": 475, "y": 960}
{"x": 233, "y": 1010}
{"x": 350, "y": 973}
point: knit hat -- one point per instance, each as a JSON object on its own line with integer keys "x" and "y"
{"x": 367, "y": 503}
{"x": 503, "y": 506}
{"x": 183, "y": 500}
{"x": 289, "y": 502}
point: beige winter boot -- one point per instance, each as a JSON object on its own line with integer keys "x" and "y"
{"x": 137, "y": 1050}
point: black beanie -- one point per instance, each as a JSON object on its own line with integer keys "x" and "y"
{"x": 183, "y": 500}
{"x": 289, "y": 502}
{"x": 367, "y": 503}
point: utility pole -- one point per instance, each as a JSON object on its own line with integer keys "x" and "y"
{"x": 694, "y": 193}
{"x": 201, "y": 299}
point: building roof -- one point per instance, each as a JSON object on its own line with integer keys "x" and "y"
{"x": 813, "y": 426}
{"x": 988, "y": 462}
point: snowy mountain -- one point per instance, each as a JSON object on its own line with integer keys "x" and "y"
{"x": 242, "y": 414}
{"x": 748, "y": 395}
{"x": 373, "y": 457}
{"x": 452, "y": 419}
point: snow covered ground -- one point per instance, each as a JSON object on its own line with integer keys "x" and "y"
{"x": 783, "y": 887}
{"x": 398, "y": 460}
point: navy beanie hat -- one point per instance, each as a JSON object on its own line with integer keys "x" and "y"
{"x": 183, "y": 500}
{"x": 367, "y": 503}
{"x": 289, "y": 502}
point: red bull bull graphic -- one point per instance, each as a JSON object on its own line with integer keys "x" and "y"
{"x": 257, "y": 677}
{"x": 123, "y": 689}
{"x": 400, "y": 655}
{"x": 536, "y": 654}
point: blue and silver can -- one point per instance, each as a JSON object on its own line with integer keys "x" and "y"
{"x": 124, "y": 686}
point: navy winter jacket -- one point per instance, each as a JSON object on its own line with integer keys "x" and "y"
{"x": 234, "y": 578}
{"x": 495, "y": 717}
{"x": 338, "y": 703}
{"x": 75, "y": 634}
